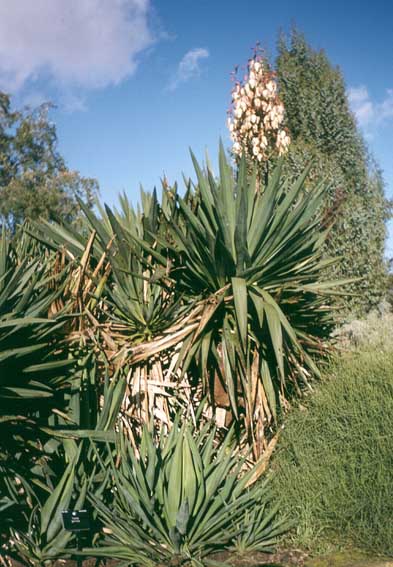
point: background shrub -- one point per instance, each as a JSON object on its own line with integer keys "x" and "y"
{"x": 372, "y": 333}
{"x": 323, "y": 129}
{"x": 334, "y": 465}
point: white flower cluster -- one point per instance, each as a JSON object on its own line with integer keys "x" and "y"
{"x": 257, "y": 115}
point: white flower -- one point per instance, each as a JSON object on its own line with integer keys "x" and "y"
{"x": 238, "y": 112}
{"x": 271, "y": 86}
{"x": 257, "y": 114}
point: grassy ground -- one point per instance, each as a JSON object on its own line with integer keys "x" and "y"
{"x": 334, "y": 466}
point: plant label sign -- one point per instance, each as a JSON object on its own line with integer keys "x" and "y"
{"x": 76, "y": 520}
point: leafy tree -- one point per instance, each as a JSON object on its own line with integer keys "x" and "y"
{"x": 34, "y": 179}
{"x": 324, "y": 130}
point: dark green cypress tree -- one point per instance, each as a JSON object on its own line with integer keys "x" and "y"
{"x": 324, "y": 130}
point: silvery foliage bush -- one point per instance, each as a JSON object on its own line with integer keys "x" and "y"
{"x": 373, "y": 332}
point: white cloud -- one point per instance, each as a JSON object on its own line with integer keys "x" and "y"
{"x": 386, "y": 107}
{"x": 361, "y": 105}
{"x": 367, "y": 111}
{"x": 75, "y": 44}
{"x": 189, "y": 66}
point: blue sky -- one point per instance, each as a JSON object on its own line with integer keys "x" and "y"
{"x": 136, "y": 82}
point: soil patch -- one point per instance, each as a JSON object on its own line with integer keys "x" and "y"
{"x": 349, "y": 559}
{"x": 293, "y": 558}
{"x": 290, "y": 558}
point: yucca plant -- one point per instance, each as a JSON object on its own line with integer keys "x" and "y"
{"x": 253, "y": 255}
{"x": 69, "y": 467}
{"x": 141, "y": 316}
{"x": 180, "y": 498}
{"x": 51, "y": 386}
{"x": 33, "y": 370}
{"x": 218, "y": 292}
{"x": 44, "y": 539}
{"x": 28, "y": 288}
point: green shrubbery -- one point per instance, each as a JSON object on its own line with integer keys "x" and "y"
{"x": 324, "y": 130}
{"x": 334, "y": 465}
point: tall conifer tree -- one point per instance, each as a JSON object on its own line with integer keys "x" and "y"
{"x": 323, "y": 129}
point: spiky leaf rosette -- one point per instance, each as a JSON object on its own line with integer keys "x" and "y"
{"x": 129, "y": 302}
{"x": 254, "y": 257}
{"x": 181, "y": 498}
{"x": 35, "y": 372}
